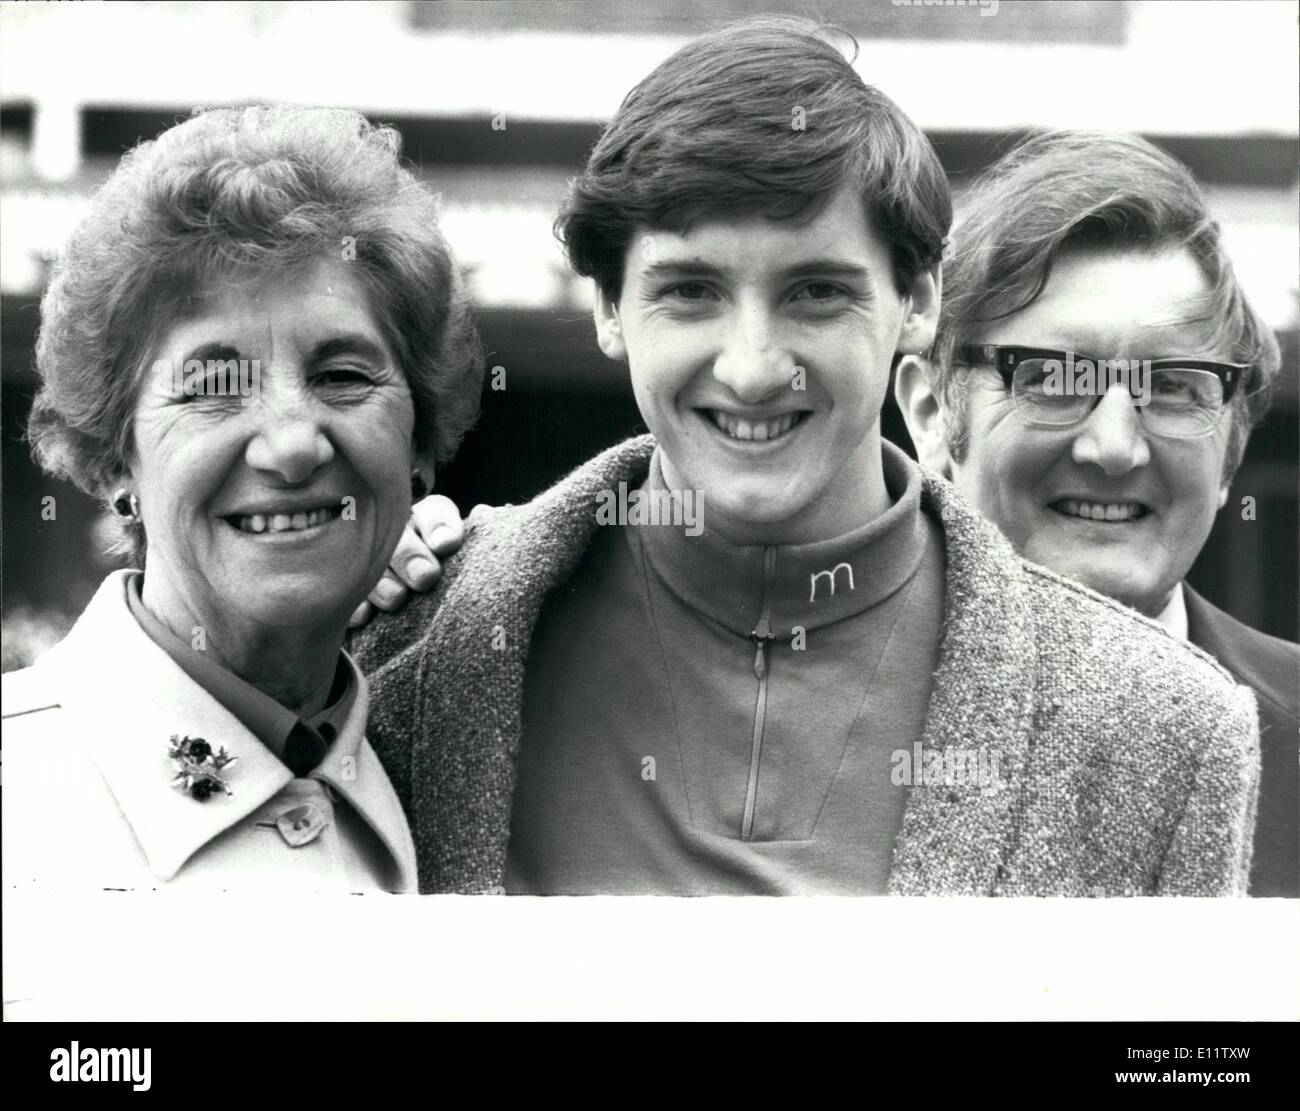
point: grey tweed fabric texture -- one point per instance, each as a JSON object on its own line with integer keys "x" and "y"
{"x": 1129, "y": 760}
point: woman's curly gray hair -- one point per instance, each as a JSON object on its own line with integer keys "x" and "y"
{"x": 229, "y": 191}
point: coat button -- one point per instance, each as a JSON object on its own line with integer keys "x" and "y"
{"x": 301, "y": 824}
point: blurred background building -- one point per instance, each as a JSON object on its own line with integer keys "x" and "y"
{"x": 499, "y": 104}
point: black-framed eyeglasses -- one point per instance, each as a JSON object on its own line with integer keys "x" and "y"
{"x": 1178, "y": 398}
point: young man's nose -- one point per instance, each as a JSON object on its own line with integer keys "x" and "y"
{"x": 1112, "y": 437}
{"x": 752, "y": 363}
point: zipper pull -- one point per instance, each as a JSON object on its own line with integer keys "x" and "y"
{"x": 760, "y": 636}
{"x": 763, "y": 630}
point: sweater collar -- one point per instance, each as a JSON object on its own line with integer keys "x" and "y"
{"x": 766, "y": 590}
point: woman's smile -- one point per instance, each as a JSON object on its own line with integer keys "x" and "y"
{"x": 270, "y": 523}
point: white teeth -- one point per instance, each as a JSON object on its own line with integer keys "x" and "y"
{"x": 739, "y": 429}
{"x": 1101, "y": 511}
{"x": 284, "y": 522}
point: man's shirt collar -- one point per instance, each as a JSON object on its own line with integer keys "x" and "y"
{"x": 1174, "y": 616}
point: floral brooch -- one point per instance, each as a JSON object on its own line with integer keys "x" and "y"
{"x": 198, "y": 768}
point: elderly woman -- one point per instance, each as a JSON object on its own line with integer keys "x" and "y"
{"x": 254, "y": 347}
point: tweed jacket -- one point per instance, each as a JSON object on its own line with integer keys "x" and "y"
{"x": 1129, "y": 759}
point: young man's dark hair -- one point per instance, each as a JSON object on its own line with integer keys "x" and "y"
{"x": 757, "y": 118}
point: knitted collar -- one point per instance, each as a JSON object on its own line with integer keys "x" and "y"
{"x": 806, "y": 585}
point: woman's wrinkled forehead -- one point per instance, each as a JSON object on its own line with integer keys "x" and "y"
{"x": 228, "y": 309}
{"x": 194, "y": 292}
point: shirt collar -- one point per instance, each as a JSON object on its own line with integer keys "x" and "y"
{"x": 269, "y": 721}
{"x": 807, "y": 585}
{"x": 1174, "y": 616}
{"x": 125, "y": 697}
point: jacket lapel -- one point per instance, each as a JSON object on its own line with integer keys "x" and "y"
{"x": 956, "y": 840}
{"x": 1210, "y": 629}
{"x": 124, "y": 698}
{"x": 469, "y": 677}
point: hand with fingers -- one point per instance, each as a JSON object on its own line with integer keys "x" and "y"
{"x": 434, "y": 532}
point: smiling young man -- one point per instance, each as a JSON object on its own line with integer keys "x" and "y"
{"x": 719, "y": 314}
{"x": 780, "y": 703}
{"x": 1084, "y": 244}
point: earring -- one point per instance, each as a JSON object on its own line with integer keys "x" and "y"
{"x": 419, "y": 488}
{"x": 126, "y": 504}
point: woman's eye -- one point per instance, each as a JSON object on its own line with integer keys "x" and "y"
{"x": 213, "y": 387}
{"x": 342, "y": 376}
{"x": 818, "y": 291}
{"x": 690, "y": 291}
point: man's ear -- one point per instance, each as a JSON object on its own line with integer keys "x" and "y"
{"x": 923, "y": 412}
{"x": 922, "y": 316}
{"x": 609, "y": 328}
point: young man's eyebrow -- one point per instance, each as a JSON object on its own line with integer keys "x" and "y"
{"x": 679, "y": 267}
{"x": 827, "y": 268}
{"x": 819, "y": 267}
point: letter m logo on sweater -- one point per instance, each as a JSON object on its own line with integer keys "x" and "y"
{"x": 830, "y": 578}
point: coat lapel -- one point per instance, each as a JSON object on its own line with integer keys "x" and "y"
{"x": 957, "y": 840}
{"x": 124, "y": 698}
{"x": 469, "y": 674}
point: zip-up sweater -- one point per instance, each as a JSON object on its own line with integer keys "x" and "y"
{"x": 1129, "y": 760}
{"x": 702, "y": 717}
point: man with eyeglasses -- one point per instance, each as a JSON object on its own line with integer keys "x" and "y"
{"x": 1076, "y": 253}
